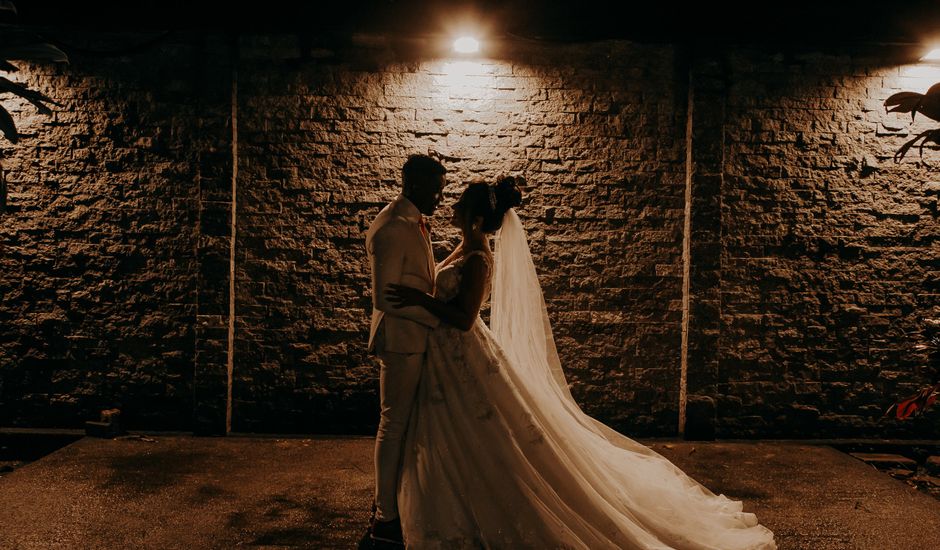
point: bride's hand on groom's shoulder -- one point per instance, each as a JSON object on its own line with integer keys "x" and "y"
{"x": 404, "y": 296}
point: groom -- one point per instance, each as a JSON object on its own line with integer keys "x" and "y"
{"x": 399, "y": 248}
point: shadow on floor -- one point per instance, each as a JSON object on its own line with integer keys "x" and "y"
{"x": 176, "y": 491}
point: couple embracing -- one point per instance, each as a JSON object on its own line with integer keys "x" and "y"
{"x": 480, "y": 443}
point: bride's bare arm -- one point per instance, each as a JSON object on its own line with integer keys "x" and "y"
{"x": 463, "y": 310}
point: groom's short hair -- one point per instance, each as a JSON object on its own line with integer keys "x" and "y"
{"x": 419, "y": 170}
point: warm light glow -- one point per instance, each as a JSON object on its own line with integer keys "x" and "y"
{"x": 463, "y": 74}
{"x": 464, "y": 68}
{"x": 464, "y": 80}
{"x": 916, "y": 77}
{"x": 932, "y": 55}
{"x": 466, "y": 44}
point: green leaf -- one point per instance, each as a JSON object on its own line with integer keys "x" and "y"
{"x": 34, "y": 97}
{"x": 7, "y": 126}
{"x": 19, "y": 43}
{"x": 38, "y": 51}
{"x": 905, "y": 101}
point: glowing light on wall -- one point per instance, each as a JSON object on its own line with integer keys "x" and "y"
{"x": 462, "y": 69}
{"x": 921, "y": 75}
{"x": 465, "y": 79}
{"x": 932, "y": 55}
{"x": 466, "y": 44}
{"x": 917, "y": 77}
{"x": 924, "y": 73}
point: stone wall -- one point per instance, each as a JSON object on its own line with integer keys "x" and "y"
{"x": 596, "y": 129}
{"x": 98, "y": 246}
{"x": 813, "y": 255}
{"x": 829, "y": 250}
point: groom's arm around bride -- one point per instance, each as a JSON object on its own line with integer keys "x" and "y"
{"x": 397, "y": 255}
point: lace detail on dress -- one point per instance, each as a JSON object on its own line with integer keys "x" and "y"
{"x": 447, "y": 281}
{"x": 457, "y": 342}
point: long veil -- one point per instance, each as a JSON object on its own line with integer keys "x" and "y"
{"x": 520, "y": 325}
{"x": 519, "y": 322}
{"x": 518, "y": 316}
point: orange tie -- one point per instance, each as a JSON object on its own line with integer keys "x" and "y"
{"x": 424, "y": 228}
{"x": 427, "y": 240}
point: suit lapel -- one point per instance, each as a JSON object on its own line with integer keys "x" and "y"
{"x": 428, "y": 250}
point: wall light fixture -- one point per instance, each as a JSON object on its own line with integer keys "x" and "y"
{"x": 466, "y": 44}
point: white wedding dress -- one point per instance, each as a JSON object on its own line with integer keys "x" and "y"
{"x": 499, "y": 455}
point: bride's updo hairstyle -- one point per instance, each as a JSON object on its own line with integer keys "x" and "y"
{"x": 491, "y": 207}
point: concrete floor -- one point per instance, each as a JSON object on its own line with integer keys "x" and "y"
{"x": 177, "y": 491}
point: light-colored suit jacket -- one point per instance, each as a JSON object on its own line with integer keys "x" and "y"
{"x": 399, "y": 253}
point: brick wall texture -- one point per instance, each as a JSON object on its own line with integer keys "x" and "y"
{"x": 98, "y": 262}
{"x": 813, "y": 255}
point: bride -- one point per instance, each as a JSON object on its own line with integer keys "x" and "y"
{"x": 498, "y": 454}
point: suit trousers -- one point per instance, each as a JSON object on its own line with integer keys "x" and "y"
{"x": 398, "y": 384}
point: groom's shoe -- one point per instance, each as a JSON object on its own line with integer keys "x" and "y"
{"x": 382, "y": 535}
{"x": 387, "y": 534}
